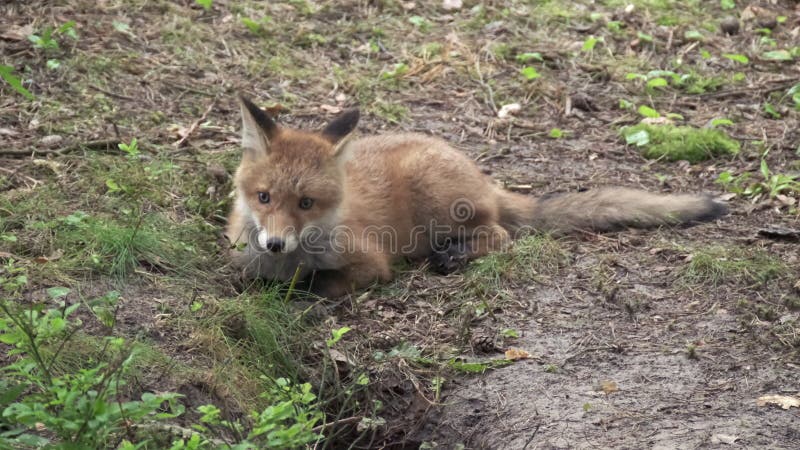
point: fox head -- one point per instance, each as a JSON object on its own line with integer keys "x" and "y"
{"x": 289, "y": 181}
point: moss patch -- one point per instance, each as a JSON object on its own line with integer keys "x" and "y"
{"x": 675, "y": 143}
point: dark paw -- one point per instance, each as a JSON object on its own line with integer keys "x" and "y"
{"x": 449, "y": 258}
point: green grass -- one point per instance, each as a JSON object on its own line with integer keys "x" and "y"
{"x": 718, "y": 265}
{"x": 674, "y": 143}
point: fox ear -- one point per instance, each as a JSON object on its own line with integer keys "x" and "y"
{"x": 257, "y": 128}
{"x": 341, "y": 127}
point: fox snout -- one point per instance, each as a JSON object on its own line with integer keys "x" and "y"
{"x": 285, "y": 242}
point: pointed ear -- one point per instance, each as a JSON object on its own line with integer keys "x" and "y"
{"x": 341, "y": 127}
{"x": 257, "y": 128}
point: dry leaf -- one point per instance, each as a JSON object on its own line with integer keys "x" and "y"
{"x": 450, "y": 5}
{"x": 330, "y": 109}
{"x": 508, "y": 110}
{"x": 514, "y": 354}
{"x": 784, "y": 401}
{"x": 657, "y": 121}
{"x": 16, "y": 33}
{"x": 723, "y": 439}
{"x": 608, "y": 386}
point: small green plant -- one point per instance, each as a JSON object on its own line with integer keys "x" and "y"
{"x": 590, "y": 43}
{"x": 395, "y": 72}
{"x": 336, "y": 336}
{"x": 530, "y": 73}
{"x": 206, "y": 4}
{"x": 525, "y": 57}
{"x": 741, "y": 59}
{"x": 47, "y": 39}
{"x": 794, "y": 94}
{"x": 556, "y": 133}
{"x": 510, "y": 333}
{"x": 131, "y": 150}
{"x": 82, "y": 409}
{"x": 258, "y": 27}
{"x": 7, "y": 74}
{"x": 675, "y": 143}
{"x": 772, "y": 184}
{"x": 288, "y": 423}
{"x": 420, "y": 22}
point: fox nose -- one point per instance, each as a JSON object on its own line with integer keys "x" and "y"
{"x": 275, "y": 245}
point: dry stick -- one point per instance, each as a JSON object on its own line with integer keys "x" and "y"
{"x": 780, "y": 84}
{"x": 344, "y": 421}
{"x": 102, "y": 144}
{"x": 193, "y": 127}
{"x": 24, "y": 177}
{"x": 112, "y": 94}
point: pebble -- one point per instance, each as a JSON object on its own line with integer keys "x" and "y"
{"x": 51, "y": 141}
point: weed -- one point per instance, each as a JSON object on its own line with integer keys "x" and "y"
{"x": 675, "y": 143}
{"x": 47, "y": 39}
{"x": 716, "y": 265}
{"x": 7, "y": 74}
{"x": 81, "y": 409}
{"x": 772, "y": 184}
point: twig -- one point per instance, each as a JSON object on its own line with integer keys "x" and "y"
{"x": 779, "y": 85}
{"x": 112, "y": 94}
{"x": 103, "y": 144}
{"x": 344, "y": 421}
{"x": 489, "y": 92}
{"x": 25, "y": 177}
{"x": 193, "y": 127}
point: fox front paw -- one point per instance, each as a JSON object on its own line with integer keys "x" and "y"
{"x": 449, "y": 258}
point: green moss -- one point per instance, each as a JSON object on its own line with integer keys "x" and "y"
{"x": 675, "y": 143}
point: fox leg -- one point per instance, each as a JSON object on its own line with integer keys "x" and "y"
{"x": 456, "y": 252}
{"x": 367, "y": 269}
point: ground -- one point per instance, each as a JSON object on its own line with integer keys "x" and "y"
{"x": 661, "y": 338}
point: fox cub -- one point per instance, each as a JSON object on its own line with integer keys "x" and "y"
{"x": 338, "y": 212}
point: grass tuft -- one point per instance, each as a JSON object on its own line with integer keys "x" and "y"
{"x": 717, "y": 265}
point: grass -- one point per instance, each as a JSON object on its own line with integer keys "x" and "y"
{"x": 674, "y": 143}
{"x": 528, "y": 258}
{"x": 716, "y": 265}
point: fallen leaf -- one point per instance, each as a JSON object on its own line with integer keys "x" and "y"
{"x": 450, "y": 5}
{"x": 340, "y": 97}
{"x": 723, "y": 439}
{"x": 514, "y": 354}
{"x": 330, "y": 109}
{"x": 17, "y": 33}
{"x": 608, "y": 386}
{"x": 657, "y": 121}
{"x": 508, "y": 110}
{"x": 784, "y": 401}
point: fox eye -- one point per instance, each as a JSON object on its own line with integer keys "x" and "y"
{"x": 306, "y": 203}
{"x": 263, "y": 197}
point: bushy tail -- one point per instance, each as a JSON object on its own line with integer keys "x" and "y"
{"x": 603, "y": 210}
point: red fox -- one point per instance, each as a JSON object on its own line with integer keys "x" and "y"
{"x": 337, "y": 212}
